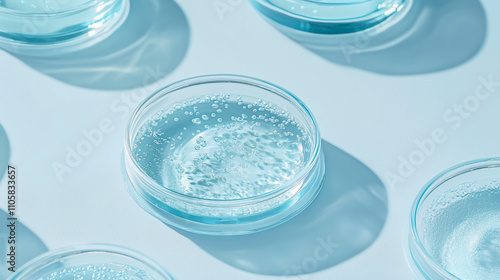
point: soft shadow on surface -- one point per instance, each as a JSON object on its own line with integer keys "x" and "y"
{"x": 345, "y": 219}
{"x": 434, "y": 35}
{"x": 28, "y": 245}
{"x": 4, "y": 151}
{"x": 149, "y": 45}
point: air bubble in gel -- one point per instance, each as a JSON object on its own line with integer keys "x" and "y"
{"x": 108, "y": 271}
{"x": 463, "y": 230}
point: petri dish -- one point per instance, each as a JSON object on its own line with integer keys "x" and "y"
{"x": 329, "y": 16}
{"x": 49, "y": 27}
{"x": 91, "y": 262}
{"x": 455, "y": 224}
{"x": 223, "y": 155}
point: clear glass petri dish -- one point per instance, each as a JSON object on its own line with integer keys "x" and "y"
{"x": 455, "y": 224}
{"x": 223, "y": 155}
{"x": 89, "y": 263}
{"x": 328, "y": 16}
{"x": 49, "y": 27}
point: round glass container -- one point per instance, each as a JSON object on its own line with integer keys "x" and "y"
{"x": 89, "y": 263}
{"x": 328, "y": 16}
{"x": 455, "y": 223}
{"x": 223, "y": 155}
{"x": 49, "y": 27}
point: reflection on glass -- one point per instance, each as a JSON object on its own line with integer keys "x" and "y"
{"x": 37, "y": 27}
{"x": 91, "y": 262}
{"x": 328, "y": 16}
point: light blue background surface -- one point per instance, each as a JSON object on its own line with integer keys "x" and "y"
{"x": 369, "y": 113}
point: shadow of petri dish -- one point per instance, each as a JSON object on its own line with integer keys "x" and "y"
{"x": 431, "y": 36}
{"x": 4, "y": 152}
{"x": 345, "y": 219}
{"x": 28, "y": 245}
{"x": 149, "y": 45}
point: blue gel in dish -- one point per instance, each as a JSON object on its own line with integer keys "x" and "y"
{"x": 50, "y": 27}
{"x": 92, "y": 262}
{"x": 223, "y": 155}
{"x": 329, "y": 16}
{"x": 456, "y": 224}
{"x": 215, "y": 148}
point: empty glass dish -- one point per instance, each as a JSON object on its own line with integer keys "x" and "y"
{"x": 223, "y": 155}
{"x": 455, "y": 223}
{"x": 47, "y": 27}
{"x": 91, "y": 262}
{"x": 328, "y": 16}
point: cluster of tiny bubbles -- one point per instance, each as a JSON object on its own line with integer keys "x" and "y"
{"x": 461, "y": 192}
{"x": 462, "y": 229}
{"x": 40, "y": 5}
{"x": 98, "y": 272}
{"x": 222, "y": 147}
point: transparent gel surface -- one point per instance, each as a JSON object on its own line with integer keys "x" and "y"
{"x": 40, "y": 6}
{"x": 463, "y": 230}
{"x": 222, "y": 147}
{"x": 108, "y": 271}
{"x": 336, "y": 9}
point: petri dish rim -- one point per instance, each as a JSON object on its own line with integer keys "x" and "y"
{"x": 145, "y": 105}
{"x": 76, "y": 9}
{"x": 59, "y": 254}
{"x": 430, "y": 187}
{"x": 274, "y": 8}
{"x": 309, "y": 25}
